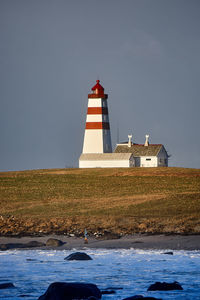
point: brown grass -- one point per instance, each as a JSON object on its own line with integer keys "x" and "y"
{"x": 126, "y": 200}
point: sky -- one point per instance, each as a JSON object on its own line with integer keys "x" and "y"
{"x": 146, "y": 54}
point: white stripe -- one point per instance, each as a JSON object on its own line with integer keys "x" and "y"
{"x": 94, "y": 102}
{"x": 94, "y": 118}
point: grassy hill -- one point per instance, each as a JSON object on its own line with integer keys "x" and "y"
{"x": 121, "y": 201}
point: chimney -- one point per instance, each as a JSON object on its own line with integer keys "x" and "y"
{"x": 129, "y": 140}
{"x": 147, "y": 140}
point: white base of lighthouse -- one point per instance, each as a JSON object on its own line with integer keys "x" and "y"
{"x": 97, "y": 141}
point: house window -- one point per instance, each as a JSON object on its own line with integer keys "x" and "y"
{"x": 148, "y": 158}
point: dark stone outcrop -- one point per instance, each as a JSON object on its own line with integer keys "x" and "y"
{"x": 54, "y": 242}
{"x": 165, "y": 286}
{"x": 6, "y": 285}
{"x": 107, "y": 292}
{"x": 108, "y": 235}
{"x": 3, "y": 247}
{"x": 140, "y": 297}
{"x": 32, "y": 244}
{"x": 78, "y": 256}
{"x": 169, "y": 253}
{"x": 69, "y": 291}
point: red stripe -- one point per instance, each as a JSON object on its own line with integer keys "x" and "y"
{"x": 97, "y": 125}
{"x": 97, "y": 111}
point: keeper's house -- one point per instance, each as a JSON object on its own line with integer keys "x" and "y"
{"x": 146, "y": 155}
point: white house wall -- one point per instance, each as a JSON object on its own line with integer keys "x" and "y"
{"x": 148, "y": 161}
{"x": 105, "y": 164}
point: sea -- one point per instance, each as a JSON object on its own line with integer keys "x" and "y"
{"x": 127, "y": 272}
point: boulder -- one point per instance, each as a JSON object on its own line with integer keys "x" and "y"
{"x": 78, "y": 256}
{"x": 107, "y": 292}
{"x": 6, "y": 285}
{"x": 30, "y": 244}
{"x": 164, "y": 286}
{"x": 72, "y": 290}
{"x": 140, "y": 297}
{"x": 33, "y": 244}
{"x": 169, "y": 253}
{"x": 108, "y": 235}
{"x": 3, "y": 247}
{"x": 54, "y": 242}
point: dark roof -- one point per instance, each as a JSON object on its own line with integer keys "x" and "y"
{"x": 139, "y": 150}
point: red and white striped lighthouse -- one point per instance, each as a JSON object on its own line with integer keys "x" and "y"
{"x": 97, "y": 138}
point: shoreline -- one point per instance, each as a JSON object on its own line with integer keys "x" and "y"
{"x": 138, "y": 241}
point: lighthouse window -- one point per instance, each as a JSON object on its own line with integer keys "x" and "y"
{"x": 148, "y": 158}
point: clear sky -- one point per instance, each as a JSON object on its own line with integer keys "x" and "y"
{"x": 145, "y": 52}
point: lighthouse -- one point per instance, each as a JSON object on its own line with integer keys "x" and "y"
{"x": 97, "y": 148}
{"x": 97, "y": 137}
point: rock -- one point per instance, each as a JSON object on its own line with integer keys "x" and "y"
{"x": 138, "y": 297}
{"x": 78, "y": 256}
{"x": 168, "y": 253}
{"x": 7, "y": 285}
{"x": 54, "y": 242}
{"x": 164, "y": 286}
{"x": 107, "y": 292}
{"x": 69, "y": 291}
{"x": 108, "y": 235}
{"x": 33, "y": 244}
{"x": 3, "y": 247}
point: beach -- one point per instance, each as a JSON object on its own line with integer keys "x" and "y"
{"x": 138, "y": 241}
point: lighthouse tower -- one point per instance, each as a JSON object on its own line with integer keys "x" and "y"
{"x": 97, "y": 138}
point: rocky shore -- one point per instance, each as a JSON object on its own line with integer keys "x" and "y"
{"x": 138, "y": 241}
{"x": 107, "y": 228}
